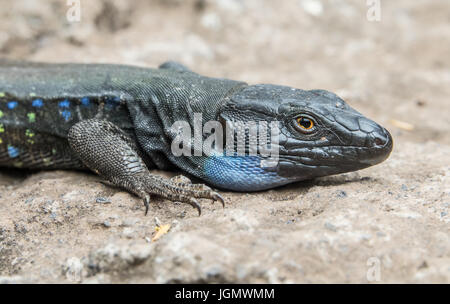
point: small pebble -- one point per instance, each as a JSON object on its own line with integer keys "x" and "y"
{"x": 157, "y": 222}
{"x": 381, "y": 234}
{"x": 103, "y": 200}
{"x": 330, "y": 226}
{"x": 420, "y": 103}
{"x": 423, "y": 265}
{"x": 342, "y": 193}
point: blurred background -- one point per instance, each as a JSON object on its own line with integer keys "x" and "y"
{"x": 389, "y": 60}
{"x": 393, "y": 64}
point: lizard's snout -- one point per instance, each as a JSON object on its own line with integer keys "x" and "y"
{"x": 381, "y": 143}
{"x": 381, "y": 139}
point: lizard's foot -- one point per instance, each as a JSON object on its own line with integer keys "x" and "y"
{"x": 181, "y": 179}
{"x": 109, "y": 151}
{"x": 184, "y": 192}
{"x": 198, "y": 190}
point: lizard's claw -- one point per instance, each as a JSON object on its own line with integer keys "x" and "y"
{"x": 177, "y": 192}
{"x": 217, "y": 197}
{"x": 146, "y": 203}
{"x": 193, "y": 202}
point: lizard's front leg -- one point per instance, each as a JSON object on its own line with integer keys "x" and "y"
{"x": 110, "y": 152}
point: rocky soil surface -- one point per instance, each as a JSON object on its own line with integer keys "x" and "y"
{"x": 388, "y": 223}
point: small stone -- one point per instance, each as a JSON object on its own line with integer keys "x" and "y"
{"x": 404, "y": 187}
{"x": 330, "y": 226}
{"x": 103, "y": 200}
{"x": 381, "y": 234}
{"x": 157, "y": 222}
{"x": 423, "y": 265}
{"x": 420, "y": 103}
{"x": 342, "y": 194}
{"x": 366, "y": 237}
{"x": 107, "y": 224}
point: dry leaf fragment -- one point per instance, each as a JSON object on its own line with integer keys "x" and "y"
{"x": 160, "y": 231}
{"x": 402, "y": 125}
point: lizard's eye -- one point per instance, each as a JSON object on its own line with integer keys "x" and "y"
{"x": 305, "y": 124}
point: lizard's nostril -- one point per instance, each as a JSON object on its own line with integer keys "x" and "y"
{"x": 379, "y": 141}
{"x": 382, "y": 139}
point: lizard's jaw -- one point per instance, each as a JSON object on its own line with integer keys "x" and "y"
{"x": 307, "y": 163}
{"x": 245, "y": 173}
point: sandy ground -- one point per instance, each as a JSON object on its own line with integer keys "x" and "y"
{"x": 389, "y": 223}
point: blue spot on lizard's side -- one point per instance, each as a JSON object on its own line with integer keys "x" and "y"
{"x": 12, "y": 104}
{"x": 112, "y": 102}
{"x": 66, "y": 114}
{"x": 64, "y": 104}
{"x": 85, "y": 101}
{"x": 37, "y": 103}
{"x": 13, "y": 151}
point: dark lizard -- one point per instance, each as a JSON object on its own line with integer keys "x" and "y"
{"x": 117, "y": 121}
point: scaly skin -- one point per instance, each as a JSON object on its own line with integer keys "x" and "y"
{"x": 116, "y": 121}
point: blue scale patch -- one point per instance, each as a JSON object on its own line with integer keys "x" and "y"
{"x": 64, "y": 104}
{"x": 66, "y": 114}
{"x": 241, "y": 173}
{"x": 85, "y": 101}
{"x": 38, "y": 103}
{"x": 13, "y": 151}
{"x": 112, "y": 102}
{"x": 12, "y": 104}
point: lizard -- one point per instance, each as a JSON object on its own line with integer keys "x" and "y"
{"x": 116, "y": 120}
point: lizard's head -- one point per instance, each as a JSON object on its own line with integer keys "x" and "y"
{"x": 319, "y": 134}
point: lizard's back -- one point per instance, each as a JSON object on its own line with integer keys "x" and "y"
{"x": 40, "y": 102}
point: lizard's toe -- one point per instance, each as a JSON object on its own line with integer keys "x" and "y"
{"x": 217, "y": 197}
{"x": 181, "y": 179}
